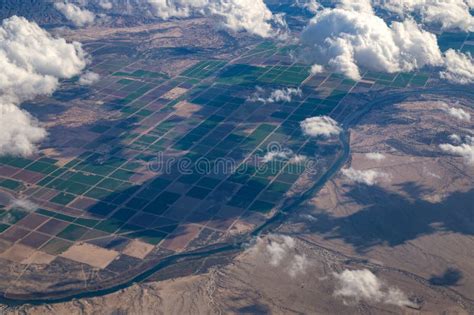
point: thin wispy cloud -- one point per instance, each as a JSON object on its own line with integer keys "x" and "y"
{"x": 367, "y": 177}
{"x": 375, "y": 156}
{"x": 285, "y": 95}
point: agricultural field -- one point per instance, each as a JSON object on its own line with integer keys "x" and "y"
{"x": 110, "y": 194}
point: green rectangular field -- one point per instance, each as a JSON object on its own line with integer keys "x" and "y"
{"x": 63, "y": 198}
{"x": 56, "y": 246}
{"x": 73, "y": 232}
{"x": 10, "y": 184}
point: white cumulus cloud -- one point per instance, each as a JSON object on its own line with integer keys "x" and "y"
{"x": 448, "y": 14}
{"x": 283, "y": 154}
{"x": 311, "y": 5}
{"x": 78, "y": 16}
{"x": 89, "y": 78}
{"x": 284, "y": 95}
{"x": 32, "y": 62}
{"x": 367, "y": 177}
{"x": 459, "y": 67}
{"x": 350, "y": 36}
{"x": 320, "y": 126}
{"x": 280, "y": 251}
{"x": 278, "y": 248}
{"x": 457, "y": 113}
{"x": 272, "y": 155}
{"x": 19, "y": 132}
{"x": 315, "y": 69}
{"x": 252, "y": 16}
{"x": 466, "y": 150}
{"x": 363, "y": 285}
{"x": 276, "y": 96}
{"x": 455, "y": 138}
{"x": 105, "y": 4}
